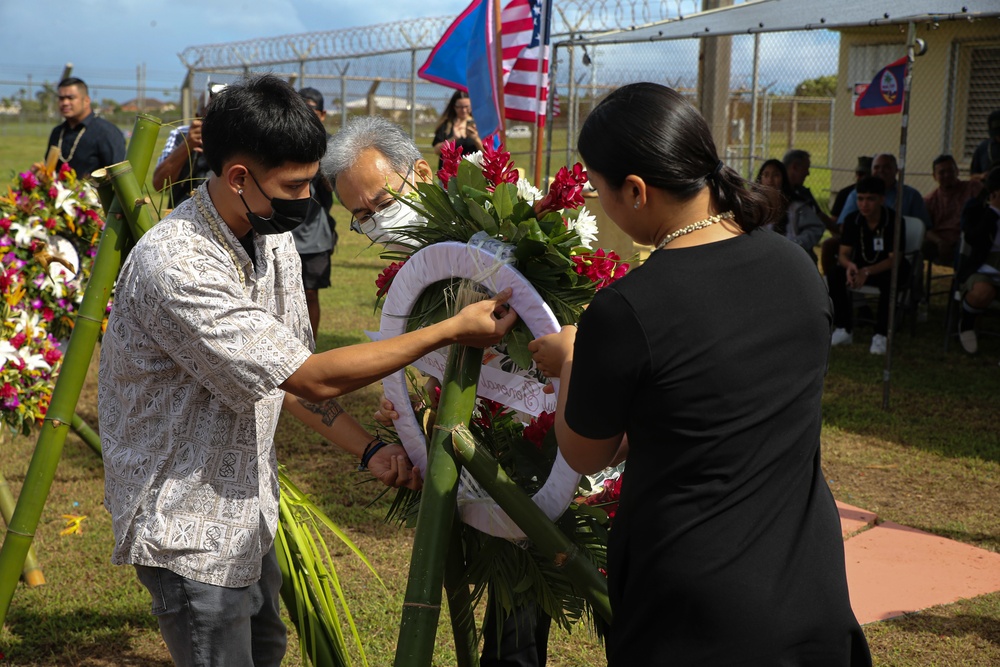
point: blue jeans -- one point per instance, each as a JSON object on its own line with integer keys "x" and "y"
{"x": 213, "y": 626}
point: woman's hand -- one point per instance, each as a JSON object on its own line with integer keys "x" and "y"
{"x": 551, "y": 352}
{"x": 485, "y": 322}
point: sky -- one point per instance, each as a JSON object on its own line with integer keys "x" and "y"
{"x": 107, "y": 39}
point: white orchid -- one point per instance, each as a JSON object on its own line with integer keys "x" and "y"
{"x": 65, "y": 200}
{"x": 475, "y": 158}
{"x": 585, "y": 227}
{"x": 34, "y": 362}
{"x": 8, "y": 352}
{"x": 25, "y": 233}
{"x": 527, "y": 191}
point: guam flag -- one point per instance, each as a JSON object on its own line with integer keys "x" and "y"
{"x": 884, "y": 94}
{"x": 465, "y": 58}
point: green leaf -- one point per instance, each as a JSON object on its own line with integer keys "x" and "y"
{"x": 485, "y": 220}
{"x": 517, "y": 345}
{"x": 470, "y": 176}
{"x": 503, "y": 199}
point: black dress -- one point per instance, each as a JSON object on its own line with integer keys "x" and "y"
{"x": 726, "y": 548}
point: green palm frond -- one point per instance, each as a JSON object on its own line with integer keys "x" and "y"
{"x": 310, "y": 587}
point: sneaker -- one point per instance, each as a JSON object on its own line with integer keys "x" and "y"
{"x": 841, "y": 337}
{"x": 969, "y": 341}
{"x": 878, "y": 344}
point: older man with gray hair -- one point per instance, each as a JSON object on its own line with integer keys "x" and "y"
{"x": 363, "y": 161}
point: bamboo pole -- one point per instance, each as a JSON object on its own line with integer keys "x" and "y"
{"x": 526, "y": 514}
{"x": 87, "y": 434}
{"x": 422, "y": 602}
{"x": 83, "y": 340}
{"x": 31, "y": 572}
{"x": 463, "y": 622}
{"x": 124, "y": 181}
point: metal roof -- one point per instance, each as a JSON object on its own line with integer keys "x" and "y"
{"x": 791, "y": 15}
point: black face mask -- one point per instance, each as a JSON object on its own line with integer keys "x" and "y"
{"x": 286, "y": 214}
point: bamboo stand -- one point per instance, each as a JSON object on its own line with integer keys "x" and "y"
{"x": 126, "y": 218}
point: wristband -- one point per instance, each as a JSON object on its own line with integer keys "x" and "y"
{"x": 369, "y": 452}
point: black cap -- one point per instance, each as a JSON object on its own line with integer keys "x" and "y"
{"x": 314, "y": 96}
{"x": 864, "y": 165}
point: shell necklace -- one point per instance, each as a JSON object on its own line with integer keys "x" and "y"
{"x": 695, "y": 226}
{"x": 217, "y": 233}
{"x": 72, "y": 150}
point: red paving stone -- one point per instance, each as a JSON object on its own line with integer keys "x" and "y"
{"x": 894, "y": 570}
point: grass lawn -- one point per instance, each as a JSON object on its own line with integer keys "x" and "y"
{"x": 932, "y": 462}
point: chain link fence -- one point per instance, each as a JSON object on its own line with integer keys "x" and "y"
{"x": 806, "y": 83}
{"x": 778, "y": 90}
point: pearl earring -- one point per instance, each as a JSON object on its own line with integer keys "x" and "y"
{"x": 636, "y": 205}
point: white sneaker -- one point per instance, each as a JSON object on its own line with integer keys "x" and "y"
{"x": 969, "y": 341}
{"x": 878, "y": 344}
{"x": 841, "y": 337}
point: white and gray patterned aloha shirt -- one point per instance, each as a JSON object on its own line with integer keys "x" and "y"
{"x": 188, "y": 396}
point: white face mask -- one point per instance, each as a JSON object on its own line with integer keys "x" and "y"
{"x": 384, "y": 224}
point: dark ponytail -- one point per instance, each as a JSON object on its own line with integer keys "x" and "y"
{"x": 651, "y": 131}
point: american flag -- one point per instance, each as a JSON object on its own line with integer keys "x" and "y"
{"x": 525, "y": 42}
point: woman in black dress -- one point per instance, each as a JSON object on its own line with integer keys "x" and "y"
{"x": 457, "y": 125}
{"x": 708, "y": 360}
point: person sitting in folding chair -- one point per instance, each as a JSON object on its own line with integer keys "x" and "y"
{"x": 865, "y": 258}
{"x": 979, "y": 271}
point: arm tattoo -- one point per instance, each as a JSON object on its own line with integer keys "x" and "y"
{"x": 328, "y": 410}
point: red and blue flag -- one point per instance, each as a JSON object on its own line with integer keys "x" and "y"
{"x": 465, "y": 58}
{"x": 884, "y": 95}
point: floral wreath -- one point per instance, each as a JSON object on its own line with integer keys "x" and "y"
{"x": 490, "y": 226}
{"x": 49, "y": 229}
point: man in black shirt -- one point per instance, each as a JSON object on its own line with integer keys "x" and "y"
{"x": 865, "y": 259}
{"x": 83, "y": 140}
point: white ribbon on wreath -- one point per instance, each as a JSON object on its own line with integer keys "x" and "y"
{"x": 451, "y": 259}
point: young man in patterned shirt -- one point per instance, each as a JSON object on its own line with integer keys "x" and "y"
{"x": 208, "y": 339}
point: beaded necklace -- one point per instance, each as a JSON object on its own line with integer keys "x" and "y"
{"x": 72, "y": 150}
{"x": 863, "y": 228}
{"x": 219, "y": 236}
{"x": 695, "y": 226}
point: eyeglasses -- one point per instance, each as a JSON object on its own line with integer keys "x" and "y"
{"x": 365, "y": 224}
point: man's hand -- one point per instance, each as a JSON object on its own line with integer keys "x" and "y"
{"x": 485, "y": 322}
{"x": 194, "y": 136}
{"x": 551, "y": 352}
{"x": 391, "y": 466}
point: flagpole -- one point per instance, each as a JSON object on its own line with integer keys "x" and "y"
{"x": 543, "y": 37}
{"x": 898, "y": 220}
{"x": 498, "y": 41}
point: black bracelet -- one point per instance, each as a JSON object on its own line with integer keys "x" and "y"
{"x": 369, "y": 452}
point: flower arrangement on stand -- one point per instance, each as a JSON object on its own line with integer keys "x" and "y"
{"x": 549, "y": 239}
{"x": 49, "y": 228}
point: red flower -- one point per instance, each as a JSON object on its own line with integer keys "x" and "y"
{"x": 52, "y": 355}
{"x": 384, "y": 279}
{"x": 8, "y": 391}
{"x": 64, "y": 170}
{"x": 566, "y": 190}
{"x": 539, "y": 427}
{"x": 18, "y": 340}
{"x": 607, "y": 498}
{"x": 50, "y": 223}
{"x": 5, "y": 223}
{"x": 48, "y": 314}
{"x": 28, "y": 181}
{"x": 602, "y": 268}
{"x": 53, "y": 192}
{"x": 451, "y": 157}
{"x": 497, "y": 166}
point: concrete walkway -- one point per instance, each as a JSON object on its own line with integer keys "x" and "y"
{"x": 894, "y": 570}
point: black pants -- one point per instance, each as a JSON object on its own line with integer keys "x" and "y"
{"x": 523, "y": 640}
{"x": 843, "y": 298}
